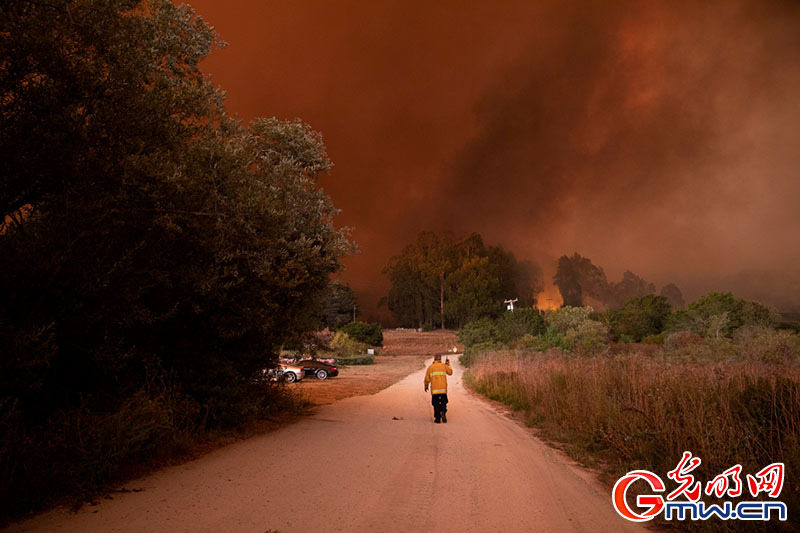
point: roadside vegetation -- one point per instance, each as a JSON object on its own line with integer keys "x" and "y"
{"x": 719, "y": 377}
{"x": 155, "y": 252}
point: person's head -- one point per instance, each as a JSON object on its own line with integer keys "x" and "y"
{"x": 437, "y": 358}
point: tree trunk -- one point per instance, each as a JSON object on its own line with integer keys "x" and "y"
{"x": 441, "y": 297}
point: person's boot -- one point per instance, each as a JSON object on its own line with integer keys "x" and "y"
{"x": 444, "y": 418}
{"x": 436, "y": 420}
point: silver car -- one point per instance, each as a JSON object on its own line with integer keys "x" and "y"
{"x": 284, "y": 373}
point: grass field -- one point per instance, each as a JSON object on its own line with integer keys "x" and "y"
{"x": 634, "y": 411}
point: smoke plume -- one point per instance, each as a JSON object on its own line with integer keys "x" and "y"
{"x": 655, "y": 136}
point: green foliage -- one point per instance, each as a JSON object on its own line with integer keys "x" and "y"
{"x": 361, "y": 359}
{"x": 475, "y": 290}
{"x": 655, "y": 339}
{"x": 365, "y": 332}
{"x": 514, "y": 324}
{"x": 150, "y": 229}
{"x": 568, "y": 328}
{"x": 640, "y": 317}
{"x": 767, "y": 345}
{"x": 718, "y": 315}
{"x": 566, "y": 318}
{"x": 344, "y": 344}
{"x": 437, "y": 280}
{"x": 588, "y": 337}
{"x": 551, "y": 338}
{"x": 477, "y": 332}
{"x": 337, "y": 306}
{"x": 472, "y": 353}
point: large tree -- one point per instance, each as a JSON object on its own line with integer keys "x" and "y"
{"x": 437, "y": 280}
{"x": 576, "y": 276}
{"x": 338, "y": 306}
{"x": 151, "y": 229}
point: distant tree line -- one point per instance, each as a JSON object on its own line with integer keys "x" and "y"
{"x": 155, "y": 252}
{"x": 439, "y": 281}
{"x": 578, "y": 278}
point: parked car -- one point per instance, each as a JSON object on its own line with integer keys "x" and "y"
{"x": 285, "y": 373}
{"x": 317, "y": 369}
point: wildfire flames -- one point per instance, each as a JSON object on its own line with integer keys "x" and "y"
{"x": 549, "y": 298}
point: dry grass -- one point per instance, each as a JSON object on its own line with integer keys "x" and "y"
{"x": 641, "y": 412}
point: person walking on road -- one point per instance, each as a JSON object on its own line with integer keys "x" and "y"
{"x": 436, "y": 378}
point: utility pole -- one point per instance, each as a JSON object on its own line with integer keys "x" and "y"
{"x": 510, "y": 303}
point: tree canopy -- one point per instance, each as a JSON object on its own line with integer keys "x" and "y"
{"x": 143, "y": 227}
{"x": 439, "y": 281}
{"x": 578, "y": 278}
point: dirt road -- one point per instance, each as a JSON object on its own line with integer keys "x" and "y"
{"x": 370, "y": 463}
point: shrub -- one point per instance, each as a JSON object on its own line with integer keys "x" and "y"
{"x": 640, "y": 317}
{"x": 471, "y": 353}
{"x": 478, "y": 331}
{"x": 590, "y": 336}
{"x": 679, "y": 339}
{"x": 552, "y": 339}
{"x": 365, "y": 332}
{"x": 528, "y": 342}
{"x": 567, "y": 317}
{"x": 514, "y": 324}
{"x": 655, "y": 339}
{"x": 756, "y": 314}
{"x": 717, "y": 315}
{"x": 767, "y": 345}
{"x": 362, "y": 359}
{"x": 343, "y": 344}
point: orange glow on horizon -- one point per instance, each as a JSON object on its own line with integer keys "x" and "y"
{"x": 549, "y": 298}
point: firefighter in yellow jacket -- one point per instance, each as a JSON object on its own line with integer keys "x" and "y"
{"x": 436, "y": 377}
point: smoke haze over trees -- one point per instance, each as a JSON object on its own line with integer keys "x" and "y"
{"x": 578, "y": 279}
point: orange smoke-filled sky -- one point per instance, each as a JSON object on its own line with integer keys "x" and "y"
{"x": 661, "y": 137}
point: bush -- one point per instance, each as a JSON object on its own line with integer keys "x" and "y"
{"x": 679, "y": 339}
{"x": 589, "y": 337}
{"x": 363, "y": 359}
{"x": 478, "y": 331}
{"x": 718, "y": 315}
{"x": 471, "y": 353}
{"x": 365, "y": 332}
{"x": 514, "y": 324}
{"x": 655, "y": 339}
{"x": 640, "y": 317}
{"x": 767, "y": 345}
{"x": 567, "y": 317}
{"x": 528, "y": 342}
{"x": 344, "y": 345}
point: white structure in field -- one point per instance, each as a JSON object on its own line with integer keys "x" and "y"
{"x": 510, "y": 304}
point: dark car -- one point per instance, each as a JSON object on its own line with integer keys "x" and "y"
{"x": 317, "y": 369}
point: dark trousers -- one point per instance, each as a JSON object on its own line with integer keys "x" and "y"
{"x": 439, "y": 402}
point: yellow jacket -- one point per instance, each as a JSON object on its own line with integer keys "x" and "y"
{"x": 436, "y": 377}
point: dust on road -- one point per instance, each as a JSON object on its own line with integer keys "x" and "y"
{"x": 369, "y": 463}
